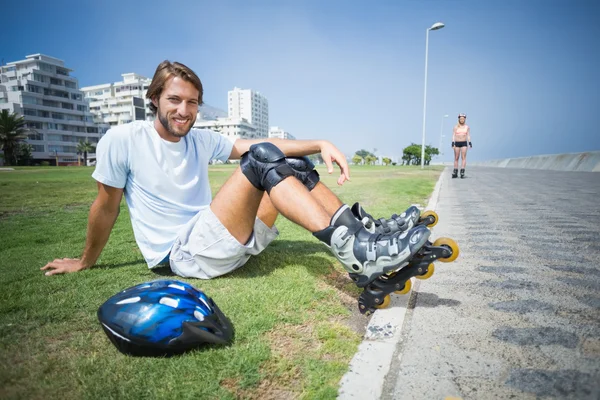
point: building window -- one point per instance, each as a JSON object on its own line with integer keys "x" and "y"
{"x": 36, "y": 136}
{"x": 40, "y": 78}
{"x": 33, "y": 125}
{"x": 46, "y": 67}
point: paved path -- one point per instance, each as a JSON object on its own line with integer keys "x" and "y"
{"x": 518, "y": 314}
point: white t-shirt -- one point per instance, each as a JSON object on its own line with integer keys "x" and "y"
{"x": 165, "y": 183}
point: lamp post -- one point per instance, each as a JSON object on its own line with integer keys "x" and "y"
{"x": 434, "y": 27}
{"x": 442, "y": 133}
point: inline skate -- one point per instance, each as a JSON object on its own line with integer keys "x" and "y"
{"x": 396, "y": 223}
{"x": 366, "y": 255}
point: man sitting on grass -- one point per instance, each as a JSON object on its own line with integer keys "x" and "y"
{"x": 162, "y": 167}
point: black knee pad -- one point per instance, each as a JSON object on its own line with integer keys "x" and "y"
{"x": 304, "y": 171}
{"x": 264, "y": 166}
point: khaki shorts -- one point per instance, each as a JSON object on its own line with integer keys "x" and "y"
{"x": 205, "y": 249}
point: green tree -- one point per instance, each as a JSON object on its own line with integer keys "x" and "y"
{"x": 370, "y": 159}
{"x": 429, "y": 153}
{"x": 24, "y": 156}
{"x": 85, "y": 148}
{"x": 13, "y": 131}
{"x": 411, "y": 155}
{"x": 386, "y": 160}
{"x": 363, "y": 153}
{"x": 356, "y": 160}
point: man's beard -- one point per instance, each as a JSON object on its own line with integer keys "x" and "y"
{"x": 166, "y": 123}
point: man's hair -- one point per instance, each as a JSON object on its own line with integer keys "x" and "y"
{"x": 165, "y": 71}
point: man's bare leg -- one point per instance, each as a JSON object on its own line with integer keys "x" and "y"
{"x": 326, "y": 198}
{"x": 267, "y": 212}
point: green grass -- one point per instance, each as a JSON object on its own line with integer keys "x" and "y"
{"x": 290, "y": 306}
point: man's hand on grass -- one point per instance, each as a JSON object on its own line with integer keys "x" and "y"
{"x": 63, "y": 266}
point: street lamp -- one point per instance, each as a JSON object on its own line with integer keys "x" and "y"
{"x": 434, "y": 27}
{"x": 442, "y": 133}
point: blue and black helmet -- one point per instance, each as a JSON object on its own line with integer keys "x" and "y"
{"x": 163, "y": 318}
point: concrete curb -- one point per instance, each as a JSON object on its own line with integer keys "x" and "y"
{"x": 371, "y": 363}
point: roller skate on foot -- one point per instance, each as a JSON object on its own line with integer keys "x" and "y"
{"x": 396, "y": 223}
{"x": 365, "y": 255}
{"x": 376, "y": 295}
{"x": 455, "y": 173}
{"x": 462, "y": 173}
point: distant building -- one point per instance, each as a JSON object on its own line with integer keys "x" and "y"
{"x": 120, "y": 102}
{"x": 41, "y": 89}
{"x": 231, "y": 128}
{"x": 277, "y": 132}
{"x": 251, "y": 106}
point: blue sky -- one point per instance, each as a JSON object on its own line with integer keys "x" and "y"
{"x": 525, "y": 72}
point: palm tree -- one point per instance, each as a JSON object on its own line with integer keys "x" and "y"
{"x": 12, "y": 132}
{"x": 85, "y": 147}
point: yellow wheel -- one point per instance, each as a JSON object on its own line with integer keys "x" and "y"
{"x": 428, "y": 274}
{"x": 431, "y": 217}
{"x": 406, "y": 289}
{"x": 386, "y": 302}
{"x": 449, "y": 244}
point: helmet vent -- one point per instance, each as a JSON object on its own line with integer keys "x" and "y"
{"x": 130, "y": 300}
{"x": 167, "y": 301}
{"x": 205, "y": 303}
{"x": 199, "y": 316}
{"x": 175, "y": 286}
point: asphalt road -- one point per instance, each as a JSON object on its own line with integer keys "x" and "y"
{"x": 517, "y": 316}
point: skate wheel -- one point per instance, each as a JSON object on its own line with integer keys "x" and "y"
{"x": 430, "y": 218}
{"x": 407, "y": 286}
{"x": 450, "y": 244}
{"x": 386, "y": 302}
{"x": 428, "y": 274}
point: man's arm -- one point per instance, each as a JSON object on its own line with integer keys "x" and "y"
{"x": 298, "y": 148}
{"x": 291, "y": 148}
{"x": 102, "y": 217}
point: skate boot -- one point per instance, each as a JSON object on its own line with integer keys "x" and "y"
{"x": 455, "y": 173}
{"x": 462, "y": 173}
{"x": 365, "y": 255}
{"x": 396, "y": 223}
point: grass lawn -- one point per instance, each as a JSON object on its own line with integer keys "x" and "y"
{"x": 293, "y": 307}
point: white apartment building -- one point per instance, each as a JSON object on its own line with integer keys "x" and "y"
{"x": 252, "y": 106}
{"x": 41, "y": 89}
{"x": 120, "y": 102}
{"x": 277, "y": 132}
{"x": 231, "y": 128}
